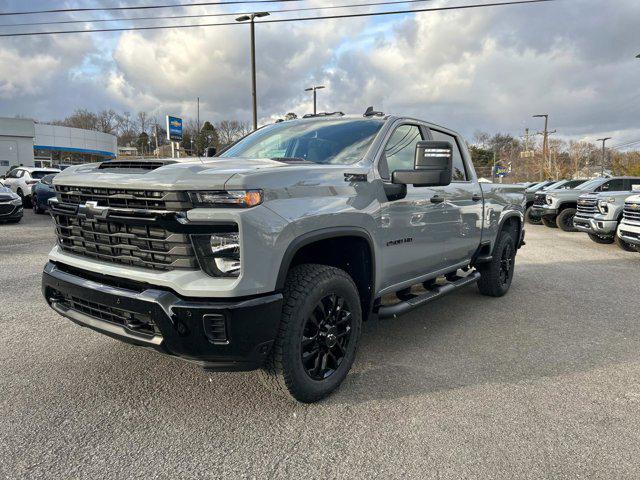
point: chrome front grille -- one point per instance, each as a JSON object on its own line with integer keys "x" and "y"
{"x": 540, "y": 199}
{"x": 119, "y": 240}
{"x": 587, "y": 207}
{"x": 632, "y": 212}
{"x": 124, "y": 198}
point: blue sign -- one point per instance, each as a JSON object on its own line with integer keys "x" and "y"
{"x": 500, "y": 171}
{"x": 174, "y": 128}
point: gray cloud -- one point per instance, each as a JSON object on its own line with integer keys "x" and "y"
{"x": 486, "y": 69}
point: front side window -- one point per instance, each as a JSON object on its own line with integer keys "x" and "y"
{"x": 401, "y": 148}
{"x": 459, "y": 173}
{"x": 613, "y": 186}
{"x": 322, "y": 141}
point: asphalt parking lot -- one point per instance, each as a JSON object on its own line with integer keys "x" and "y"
{"x": 544, "y": 383}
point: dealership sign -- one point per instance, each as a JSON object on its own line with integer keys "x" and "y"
{"x": 174, "y": 129}
{"x": 500, "y": 171}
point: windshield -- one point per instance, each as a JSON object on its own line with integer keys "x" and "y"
{"x": 590, "y": 185}
{"x": 555, "y": 185}
{"x": 573, "y": 184}
{"x": 536, "y": 186}
{"x": 38, "y": 174}
{"x": 339, "y": 141}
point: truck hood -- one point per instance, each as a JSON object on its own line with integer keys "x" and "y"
{"x": 189, "y": 174}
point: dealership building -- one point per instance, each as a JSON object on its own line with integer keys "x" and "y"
{"x": 30, "y": 144}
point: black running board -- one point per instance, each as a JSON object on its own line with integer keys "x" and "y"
{"x": 429, "y": 296}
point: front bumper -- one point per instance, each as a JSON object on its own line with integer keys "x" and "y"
{"x": 629, "y": 233}
{"x": 218, "y": 334}
{"x": 543, "y": 211}
{"x": 595, "y": 226}
{"x": 13, "y": 214}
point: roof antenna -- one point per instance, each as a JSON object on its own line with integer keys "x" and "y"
{"x": 370, "y": 112}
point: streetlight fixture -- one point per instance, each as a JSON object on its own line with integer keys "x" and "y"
{"x": 314, "y": 89}
{"x": 250, "y": 18}
{"x": 545, "y": 141}
{"x": 604, "y": 141}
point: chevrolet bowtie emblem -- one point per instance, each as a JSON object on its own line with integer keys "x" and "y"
{"x": 635, "y": 206}
{"x": 91, "y": 210}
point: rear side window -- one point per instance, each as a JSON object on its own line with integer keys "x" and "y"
{"x": 633, "y": 184}
{"x": 459, "y": 172}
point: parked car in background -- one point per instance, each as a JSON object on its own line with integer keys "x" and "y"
{"x": 41, "y": 192}
{"x": 629, "y": 228}
{"x": 530, "y": 192}
{"x": 20, "y": 180}
{"x": 599, "y": 214}
{"x": 558, "y": 207}
{"x": 538, "y": 198}
{"x": 10, "y": 206}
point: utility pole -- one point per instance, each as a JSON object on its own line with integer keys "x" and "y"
{"x": 604, "y": 153}
{"x": 545, "y": 143}
{"x": 155, "y": 128}
{"x": 251, "y": 17}
{"x": 314, "y": 89}
{"x": 198, "y": 121}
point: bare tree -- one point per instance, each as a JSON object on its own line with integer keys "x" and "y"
{"x": 231, "y": 130}
{"x": 143, "y": 121}
{"x": 107, "y": 121}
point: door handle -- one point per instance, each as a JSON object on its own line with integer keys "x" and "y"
{"x": 437, "y": 199}
{"x": 476, "y": 197}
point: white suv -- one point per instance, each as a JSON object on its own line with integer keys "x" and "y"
{"x": 20, "y": 180}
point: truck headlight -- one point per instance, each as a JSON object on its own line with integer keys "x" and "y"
{"x": 219, "y": 253}
{"x": 603, "y": 207}
{"x": 549, "y": 200}
{"x": 16, "y": 201}
{"x": 227, "y": 199}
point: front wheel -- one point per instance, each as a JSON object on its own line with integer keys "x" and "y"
{"x": 626, "y": 246}
{"x": 318, "y": 334}
{"x": 549, "y": 222}
{"x": 497, "y": 275}
{"x": 530, "y": 218}
{"x": 564, "y": 220}
{"x": 601, "y": 239}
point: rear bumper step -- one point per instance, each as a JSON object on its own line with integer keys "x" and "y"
{"x": 429, "y": 296}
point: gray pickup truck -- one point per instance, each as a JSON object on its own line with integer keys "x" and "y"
{"x": 599, "y": 215}
{"x": 558, "y": 208}
{"x": 539, "y": 190}
{"x": 271, "y": 255}
{"x": 629, "y": 228}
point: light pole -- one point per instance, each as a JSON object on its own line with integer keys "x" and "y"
{"x": 545, "y": 141}
{"x": 314, "y": 89}
{"x": 251, "y": 17}
{"x": 603, "y": 140}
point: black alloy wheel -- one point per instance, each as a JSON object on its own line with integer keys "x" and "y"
{"x": 506, "y": 264}
{"x": 325, "y": 337}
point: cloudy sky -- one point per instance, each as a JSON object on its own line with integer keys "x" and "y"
{"x": 477, "y": 69}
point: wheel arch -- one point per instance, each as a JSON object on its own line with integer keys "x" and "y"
{"x": 349, "y": 248}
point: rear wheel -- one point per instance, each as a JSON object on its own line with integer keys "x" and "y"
{"x": 549, "y": 222}
{"x": 496, "y": 276}
{"x": 601, "y": 239}
{"x": 530, "y": 218}
{"x": 626, "y": 246}
{"x": 564, "y": 220}
{"x": 318, "y": 335}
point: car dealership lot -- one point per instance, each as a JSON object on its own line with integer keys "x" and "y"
{"x": 544, "y": 383}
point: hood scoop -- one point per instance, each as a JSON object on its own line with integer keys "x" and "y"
{"x": 145, "y": 165}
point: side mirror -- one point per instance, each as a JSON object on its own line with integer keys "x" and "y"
{"x": 210, "y": 152}
{"x": 433, "y": 164}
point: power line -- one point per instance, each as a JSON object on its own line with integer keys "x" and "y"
{"x": 173, "y": 17}
{"x": 628, "y": 144}
{"x": 144, "y": 7}
{"x": 282, "y": 20}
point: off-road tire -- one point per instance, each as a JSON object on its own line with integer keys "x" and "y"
{"x": 564, "y": 220}
{"x": 493, "y": 281}
{"x": 547, "y": 222}
{"x": 602, "y": 240}
{"x": 627, "y": 247}
{"x": 532, "y": 219}
{"x": 306, "y": 286}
